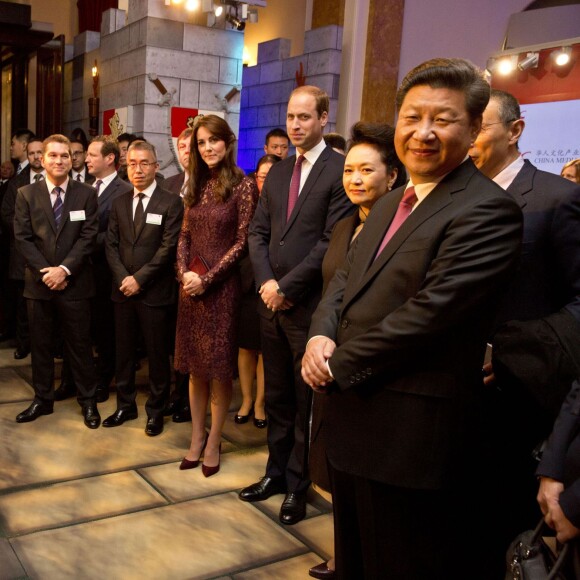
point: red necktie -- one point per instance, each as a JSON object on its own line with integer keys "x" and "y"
{"x": 294, "y": 186}
{"x": 405, "y": 206}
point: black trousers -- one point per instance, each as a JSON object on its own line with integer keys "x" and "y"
{"x": 383, "y": 531}
{"x": 75, "y": 323}
{"x": 130, "y": 316}
{"x": 104, "y": 329}
{"x": 283, "y": 345}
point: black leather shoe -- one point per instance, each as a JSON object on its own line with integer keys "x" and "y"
{"x": 65, "y": 391}
{"x": 260, "y": 423}
{"x": 33, "y": 412}
{"x": 119, "y": 417}
{"x": 92, "y": 417}
{"x": 241, "y": 419}
{"x": 322, "y": 571}
{"x": 263, "y": 489}
{"x": 182, "y": 416}
{"x": 293, "y": 508}
{"x": 154, "y": 426}
{"x": 102, "y": 393}
{"x": 20, "y": 354}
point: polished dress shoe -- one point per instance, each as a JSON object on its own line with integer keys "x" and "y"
{"x": 260, "y": 423}
{"x": 92, "y": 417}
{"x": 33, "y": 412}
{"x": 19, "y": 354}
{"x": 65, "y": 391}
{"x": 322, "y": 571}
{"x": 241, "y": 419}
{"x": 187, "y": 464}
{"x": 209, "y": 470}
{"x": 102, "y": 393}
{"x": 154, "y": 426}
{"x": 182, "y": 415}
{"x": 263, "y": 489}
{"x": 119, "y": 417}
{"x": 293, "y": 508}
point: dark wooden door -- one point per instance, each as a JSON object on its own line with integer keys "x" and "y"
{"x": 49, "y": 84}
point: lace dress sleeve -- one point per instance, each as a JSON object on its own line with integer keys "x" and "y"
{"x": 183, "y": 247}
{"x": 246, "y": 194}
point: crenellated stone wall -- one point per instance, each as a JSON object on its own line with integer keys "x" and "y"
{"x": 267, "y": 86}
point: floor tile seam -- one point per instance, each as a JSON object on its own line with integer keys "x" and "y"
{"x": 265, "y": 562}
{"x": 26, "y": 576}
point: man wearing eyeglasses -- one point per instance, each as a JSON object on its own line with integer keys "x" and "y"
{"x": 536, "y": 341}
{"x": 144, "y": 226}
{"x": 79, "y": 169}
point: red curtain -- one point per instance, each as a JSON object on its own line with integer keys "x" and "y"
{"x": 90, "y": 12}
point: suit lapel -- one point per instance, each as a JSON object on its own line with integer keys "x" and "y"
{"x": 129, "y": 212}
{"x": 69, "y": 199}
{"x": 46, "y": 203}
{"x": 522, "y": 184}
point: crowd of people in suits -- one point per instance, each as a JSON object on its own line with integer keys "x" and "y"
{"x": 408, "y": 304}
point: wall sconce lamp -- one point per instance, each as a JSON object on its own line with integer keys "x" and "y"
{"x": 94, "y": 103}
{"x": 531, "y": 60}
{"x": 504, "y": 65}
{"x": 562, "y": 56}
{"x": 235, "y": 22}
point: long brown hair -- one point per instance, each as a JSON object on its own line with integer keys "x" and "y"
{"x": 228, "y": 173}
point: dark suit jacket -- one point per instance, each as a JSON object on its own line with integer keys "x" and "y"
{"x": 116, "y": 188}
{"x": 38, "y": 240}
{"x": 292, "y": 252}
{"x": 410, "y": 328}
{"x": 150, "y": 255}
{"x": 89, "y": 179}
{"x": 16, "y": 260}
{"x": 174, "y": 183}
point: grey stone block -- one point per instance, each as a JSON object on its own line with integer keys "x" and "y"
{"x": 325, "y": 61}
{"x": 251, "y": 75}
{"x": 211, "y": 97}
{"x": 109, "y": 46}
{"x": 268, "y": 116}
{"x": 322, "y": 38}
{"x": 163, "y": 33}
{"x": 270, "y": 94}
{"x": 87, "y": 41}
{"x": 276, "y": 49}
{"x": 155, "y": 118}
{"x": 271, "y": 72}
{"x": 137, "y": 9}
{"x": 151, "y": 95}
{"x": 137, "y": 34}
{"x": 229, "y": 70}
{"x": 249, "y": 118}
{"x": 335, "y": 87}
{"x": 133, "y": 63}
{"x": 233, "y": 120}
{"x": 111, "y": 20}
{"x": 291, "y": 66}
{"x": 69, "y": 52}
{"x": 213, "y": 41}
{"x": 332, "y": 111}
{"x": 182, "y": 64}
{"x": 123, "y": 93}
{"x": 189, "y": 95}
{"x": 324, "y": 82}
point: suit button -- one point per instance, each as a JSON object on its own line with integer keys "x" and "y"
{"x": 358, "y": 377}
{"x": 344, "y": 324}
{"x": 282, "y": 243}
{"x": 369, "y": 371}
{"x": 352, "y": 380}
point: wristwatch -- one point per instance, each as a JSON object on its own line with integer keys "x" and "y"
{"x": 280, "y": 293}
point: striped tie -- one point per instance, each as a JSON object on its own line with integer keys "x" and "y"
{"x": 38, "y": 177}
{"x": 57, "y": 207}
{"x": 79, "y": 178}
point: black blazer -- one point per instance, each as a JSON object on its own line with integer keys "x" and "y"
{"x": 42, "y": 245}
{"x": 411, "y": 327}
{"x": 174, "y": 183}
{"x": 292, "y": 252}
{"x": 116, "y": 188}
{"x": 149, "y": 256}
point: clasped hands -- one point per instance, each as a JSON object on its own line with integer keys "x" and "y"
{"x": 549, "y": 500}
{"x": 315, "y": 370}
{"x": 192, "y": 284}
{"x": 54, "y": 277}
{"x": 273, "y": 301}
{"x": 130, "y": 286}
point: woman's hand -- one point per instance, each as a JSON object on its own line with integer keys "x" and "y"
{"x": 192, "y": 284}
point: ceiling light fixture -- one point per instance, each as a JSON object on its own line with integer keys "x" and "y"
{"x": 506, "y": 65}
{"x": 235, "y": 22}
{"x": 531, "y": 60}
{"x": 562, "y": 56}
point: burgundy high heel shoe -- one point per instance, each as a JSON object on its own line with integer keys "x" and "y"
{"x": 209, "y": 471}
{"x": 187, "y": 464}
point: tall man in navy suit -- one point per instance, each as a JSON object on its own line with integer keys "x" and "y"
{"x": 301, "y": 200}
{"x": 536, "y": 341}
{"x": 398, "y": 339}
{"x": 102, "y": 161}
{"x": 55, "y": 228}
{"x": 144, "y": 226}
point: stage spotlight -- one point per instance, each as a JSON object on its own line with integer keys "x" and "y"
{"x": 191, "y": 5}
{"x": 562, "y": 56}
{"x": 235, "y": 22}
{"x": 530, "y": 61}
{"x": 506, "y": 64}
{"x": 218, "y": 10}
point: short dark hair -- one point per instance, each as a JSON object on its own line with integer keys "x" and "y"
{"x": 450, "y": 73}
{"x": 109, "y": 145}
{"x": 78, "y": 142}
{"x": 269, "y": 158}
{"x": 23, "y": 135}
{"x": 276, "y": 133}
{"x": 130, "y": 137}
{"x": 320, "y": 96}
{"x": 79, "y": 136}
{"x": 335, "y": 140}
{"x": 185, "y": 134}
{"x": 509, "y": 108}
{"x": 142, "y": 145}
{"x": 382, "y": 137}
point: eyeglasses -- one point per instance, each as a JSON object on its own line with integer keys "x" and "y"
{"x": 143, "y": 165}
{"x": 77, "y": 153}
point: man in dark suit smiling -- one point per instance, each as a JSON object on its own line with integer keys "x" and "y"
{"x": 301, "y": 200}
{"x": 398, "y": 339}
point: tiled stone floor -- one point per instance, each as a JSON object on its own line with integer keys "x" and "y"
{"x": 111, "y": 503}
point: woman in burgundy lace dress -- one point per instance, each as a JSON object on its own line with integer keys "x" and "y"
{"x": 219, "y": 204}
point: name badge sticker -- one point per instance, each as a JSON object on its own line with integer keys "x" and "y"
{"x": 154, "y": 219}
{"x": 77, "y": 216}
